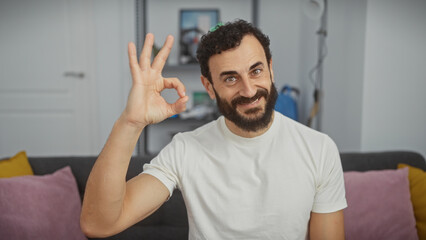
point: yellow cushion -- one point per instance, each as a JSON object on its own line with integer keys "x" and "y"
{"x": 417, "y": 178}
{"x": 18, "y": 165}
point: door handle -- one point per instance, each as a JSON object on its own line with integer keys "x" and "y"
{"x": 74, "y": 74}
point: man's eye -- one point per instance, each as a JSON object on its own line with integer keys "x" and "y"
{"x": 230, "y": 79}
{"x": 257, "y": 71}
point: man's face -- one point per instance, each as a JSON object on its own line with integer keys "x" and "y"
{"x": 243, "y": 85}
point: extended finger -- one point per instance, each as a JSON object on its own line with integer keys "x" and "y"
{"x": 176, "y": 84}
{"x": 133, "y": 61}
{"x": 161, "y": 58}
{"x": 145, "y": 58}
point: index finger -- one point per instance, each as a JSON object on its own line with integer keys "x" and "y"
{"x": 161, "y": 58}
{"x": 176, "y": 84}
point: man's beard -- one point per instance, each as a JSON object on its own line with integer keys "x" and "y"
{"x": 250, "y": 124}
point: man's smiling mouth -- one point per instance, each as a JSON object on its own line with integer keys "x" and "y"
{"x": 251, "y": 103}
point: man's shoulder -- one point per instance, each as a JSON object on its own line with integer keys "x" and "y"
{"x": 303, "y": 134}
{"x": 297, "y": 127}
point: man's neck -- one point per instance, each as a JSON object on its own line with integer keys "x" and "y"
{"x": 248, "y": 134}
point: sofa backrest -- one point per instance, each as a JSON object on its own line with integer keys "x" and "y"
{"x": 380, "y": 160}
{"x": 81, "y": 166}
{"x": 172, "y": 215}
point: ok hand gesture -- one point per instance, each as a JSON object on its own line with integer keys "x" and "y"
{"x": 145, "y": 105}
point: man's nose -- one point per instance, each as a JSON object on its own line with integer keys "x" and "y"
{"x": 247, "y": 88}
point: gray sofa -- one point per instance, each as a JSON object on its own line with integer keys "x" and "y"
{"x": 170, "y": 221}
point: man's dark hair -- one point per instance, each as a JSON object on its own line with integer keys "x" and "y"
{"x": 227, "y": 37}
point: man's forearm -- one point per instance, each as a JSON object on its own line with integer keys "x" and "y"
{"x": 111, "y": 205}
{"x": 106, "y": 186}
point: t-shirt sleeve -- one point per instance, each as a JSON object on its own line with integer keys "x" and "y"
{"x": 330, "y": 189}
{"x": 166, "y": 165}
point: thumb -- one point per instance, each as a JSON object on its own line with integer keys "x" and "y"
{"x": 179, "y": 106}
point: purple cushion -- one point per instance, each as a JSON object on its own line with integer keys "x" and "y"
{"x": 40, "y": 207}
{"x": 379, "y": 205}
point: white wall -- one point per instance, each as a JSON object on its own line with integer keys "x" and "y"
{"x": 114, "y": 27}
{"x": 343, "y": 73}
{"x": 394, "y": 99}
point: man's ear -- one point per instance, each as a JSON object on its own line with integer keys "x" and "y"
{"x": 208, "y": 86}
{"x": 271, "y": 71}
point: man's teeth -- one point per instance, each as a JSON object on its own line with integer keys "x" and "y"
{"x": 253, "y": 101}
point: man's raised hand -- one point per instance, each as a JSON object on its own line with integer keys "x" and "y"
{"x": 145, "y": 104}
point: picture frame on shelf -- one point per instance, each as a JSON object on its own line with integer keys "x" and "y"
{"x": 193, "y": 24}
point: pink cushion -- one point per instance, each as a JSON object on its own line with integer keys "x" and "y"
{"x": 379, "y": 205}
{"x": 40, "y": 207}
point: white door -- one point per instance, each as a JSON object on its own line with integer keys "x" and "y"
{"x": 45, "y": 77}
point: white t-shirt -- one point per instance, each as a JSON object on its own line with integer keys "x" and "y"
{"x": 252, "y": 188}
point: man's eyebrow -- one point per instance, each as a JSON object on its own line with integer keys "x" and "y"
{"x": 226, "y": 73}
{"x": 255, "y": 65}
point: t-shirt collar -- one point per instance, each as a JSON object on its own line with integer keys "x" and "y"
{"x": 232, "y": 136}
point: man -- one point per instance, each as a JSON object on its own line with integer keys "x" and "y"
{"x": 251, "y": 174}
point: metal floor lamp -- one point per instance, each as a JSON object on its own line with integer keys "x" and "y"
{"x": 317, "y": 9}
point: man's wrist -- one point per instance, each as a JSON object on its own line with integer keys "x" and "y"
{"x": 131, "y": 127}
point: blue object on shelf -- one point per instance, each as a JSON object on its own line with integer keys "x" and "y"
{"x": 286, "y": 102}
